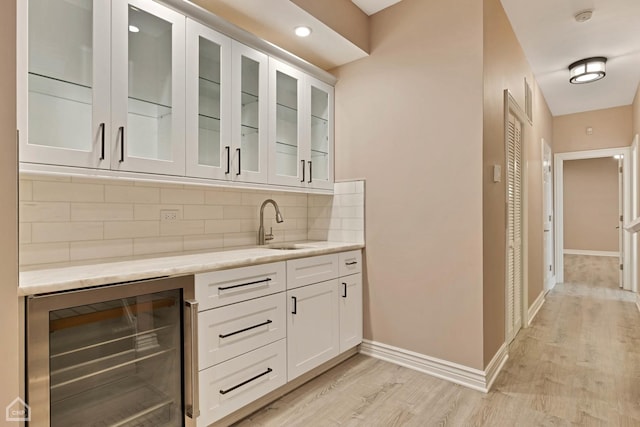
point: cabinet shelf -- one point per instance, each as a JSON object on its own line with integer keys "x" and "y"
{"x": 149, "y": 109}
{"x": 292, "y": 148}
{"x": 130, "y": 401}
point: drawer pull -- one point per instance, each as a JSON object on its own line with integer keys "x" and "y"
{"x": 267, "y": 280}
{"x": 246, "y": 382}
{"x": 352, "y": 263}
{"x": 344, "y": 290}
{"x": 295, "y": 305}
{"x": 245, "y": 329}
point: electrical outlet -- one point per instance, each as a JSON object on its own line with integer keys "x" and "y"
{"x": 168, "y": 215}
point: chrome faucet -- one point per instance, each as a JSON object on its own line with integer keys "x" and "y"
{"x": 266, "y": 237}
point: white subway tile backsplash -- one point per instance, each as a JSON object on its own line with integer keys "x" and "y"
{"x": 53, "y": 191}
{"x": 25, "y": 190}
{"x": 157, "y": 245}
{"x": 44, "y": 211}
{"x": 182, "y": 228}
{"x": 101, "y": 212}
{"x": 75, "y": 219}
{"x": 131, "y": 229}
{"x": 100, "y": 249}
{"x": 43, "y": 253}
{"x": 42, "y": 232}
{"x": 202, "y": 212}
{"x": 131, "y": 194}
{"x": 181, "y": 196}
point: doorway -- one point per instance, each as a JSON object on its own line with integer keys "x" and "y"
{"x": 624, "y": 158}
{"x": 547, "y": 217}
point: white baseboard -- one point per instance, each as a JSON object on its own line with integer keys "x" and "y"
{"x": 591, "y": 253}
{"x": 536, "y": 306}
{"x": 638, "y": 301}
{"x": 550, "y": 284}
{"x": 439, "y": 368}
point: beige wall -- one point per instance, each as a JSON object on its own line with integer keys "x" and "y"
{"x": 612, "y": 127}
{"x": 505, "y": 67}
{"x": 636, "y": 112}
{"x": 343, "y": 16}
{"x": 9, "y": 338}
{"x": 409, "y": 120}
{"x": 591, "y": 204}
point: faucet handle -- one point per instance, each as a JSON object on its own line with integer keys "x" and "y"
{"x": 269, "y": 236}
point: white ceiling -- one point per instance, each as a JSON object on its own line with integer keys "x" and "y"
{"x": 373, "y": 6}
{"x": 552, "y": 39}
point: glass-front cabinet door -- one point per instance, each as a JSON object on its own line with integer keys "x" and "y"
{"x": 208, "y": 103}
{"x": 249, "y": 114}
{"x": 320, "y": 165}
{"x": 63, "y": 82}
{"x": 148, "y": 99}
{"x": 287, "y": 165}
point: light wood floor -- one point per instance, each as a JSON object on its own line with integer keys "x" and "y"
{"x": 579, "y": 364}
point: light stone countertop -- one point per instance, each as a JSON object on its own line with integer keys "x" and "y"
{"x": 84, "y": 276}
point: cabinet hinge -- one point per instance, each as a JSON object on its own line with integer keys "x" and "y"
{"x": 621, "y": 218}
{"x": 549, "y": 268}
{"x": 621, "y": 267}
{"x": 620, "y": 169}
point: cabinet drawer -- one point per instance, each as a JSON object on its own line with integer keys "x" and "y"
{"x": 305, "y": 271}
{"x": 350, "y": 262}
{"x": 225, "y": 287}
{"x": 229, "y": 386}
{"x": 230, "y": 331}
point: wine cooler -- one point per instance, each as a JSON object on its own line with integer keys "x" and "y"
{"x": 120, "y": 355}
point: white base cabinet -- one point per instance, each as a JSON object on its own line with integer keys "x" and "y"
{"x": 262, "y": 326}
{"x": 313, "y": 327}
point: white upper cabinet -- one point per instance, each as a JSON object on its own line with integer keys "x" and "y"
{"x": 208, "y": 103}
{"x": 147, "y": 91}
{"x": 301, "y": 129}
{"x": 64, "y": 82}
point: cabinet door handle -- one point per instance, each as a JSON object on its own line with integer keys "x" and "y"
{"x": 303, "y": 179}
{"x": 352, "y": 263}
{"x": 121, "y": 130}
{"x": 295, "y": 305}
{"x": 239, "y": 163}
{"x": 102, "y": 141}
{"x": 192, "y": 386}
{"x": 225, "y": 288}
{"x": 310, "y": 172}
{"x": 344, "y": 290}
{"x": 230, "y": 334}
{"x": 228, "y": 150}
{"x": 246, "y": 382}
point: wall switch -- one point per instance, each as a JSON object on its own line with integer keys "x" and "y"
{"x": 169, "y": 215}
{"x": 497, "y": 173}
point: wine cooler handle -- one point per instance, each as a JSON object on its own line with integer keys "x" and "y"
{"x": 192, "y": 387}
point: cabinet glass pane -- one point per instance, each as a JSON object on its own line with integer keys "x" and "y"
{"x": 105, "y": 360}
{"x": 250, "y": 119}
{"x": 286, "y": 125}
{"x": 149, "y": 110}
{"x": 320, "y": 133}
{"x": 61, "y": 73}
{"x": 209, "y": 103}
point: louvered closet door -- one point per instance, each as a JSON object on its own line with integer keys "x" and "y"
{"x": 514, "y": 228}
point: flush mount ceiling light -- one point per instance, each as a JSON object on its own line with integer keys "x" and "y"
{"x": 133, "y": 29}
{"x": 302, "y": 31}
{"x": 587, "y": 70}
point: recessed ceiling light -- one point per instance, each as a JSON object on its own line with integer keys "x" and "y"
{"x": 302, "y": 31}
{"x": 134, "y": 29}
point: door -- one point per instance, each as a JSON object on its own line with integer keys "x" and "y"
{"x": 64, "y": 82}
{"x": 547, "y": 213}
{"x": 514, "y": 227}
{"x": 621, "y": 222}
{"x": 208, "y": 118}
{"x": 312, "y": 326}
{"x": 320, "y": 123}
{"x": 250, "y": 70}
{"x": 287, "y": 133}
{"x": 350, "y": 311}
{"x": 148, "y": 88}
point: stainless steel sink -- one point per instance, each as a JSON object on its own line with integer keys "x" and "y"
{"x": 287, "y": 246}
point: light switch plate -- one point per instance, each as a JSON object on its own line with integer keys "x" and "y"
{"x": 497, "y": 173}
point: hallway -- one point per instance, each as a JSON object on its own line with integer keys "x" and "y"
{"x": 578, "y": 364}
